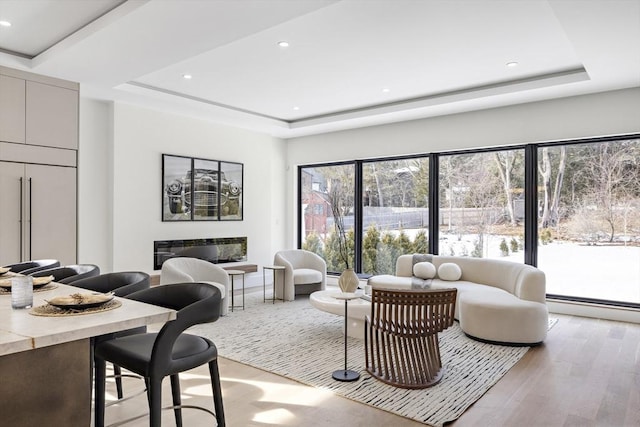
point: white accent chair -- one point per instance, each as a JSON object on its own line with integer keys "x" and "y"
{"x": 184, "y": 269}
{"x": 304, "y": 273}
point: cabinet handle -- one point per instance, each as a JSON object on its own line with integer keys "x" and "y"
{"x": 30, "y": 210}
{"x": 20, "y": 220}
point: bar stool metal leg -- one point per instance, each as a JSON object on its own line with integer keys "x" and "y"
{"x": 217, "y": 392}
{"x": 177, "y": 399}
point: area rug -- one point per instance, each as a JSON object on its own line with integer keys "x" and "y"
{"x": 299, "y": 342}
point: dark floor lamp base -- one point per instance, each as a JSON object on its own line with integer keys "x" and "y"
{"x": 345, "y": 375}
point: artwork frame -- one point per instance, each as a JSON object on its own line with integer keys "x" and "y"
{"x": 206, "y": 198}
{"x": 177, "y": 172}
{"x": 198, "y": 189}
{"x": 232, "y": 183}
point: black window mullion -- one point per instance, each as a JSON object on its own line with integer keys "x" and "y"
{"x": 300, "y": 213}
{"x": 434, "y": 202}
{"x": 357, "y": 219}
{"x": 531, "y": 205}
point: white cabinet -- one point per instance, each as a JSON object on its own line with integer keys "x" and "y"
{"x": 51, "y": 116}
{"x": 38, "y": 159}
{"x": 38, "y": 212}
{"x": 38, "y": 110}
{"x": 12, "y": 109}
{"x": 12, "y": 207}
{"x": 51, "y": 210}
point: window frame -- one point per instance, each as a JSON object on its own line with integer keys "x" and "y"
{"x": 531, "y": 200}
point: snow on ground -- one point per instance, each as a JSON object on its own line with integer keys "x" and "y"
{"x": 604, "y": 272}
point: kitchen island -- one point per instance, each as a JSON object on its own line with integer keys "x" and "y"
{"x": 45, "y": 366}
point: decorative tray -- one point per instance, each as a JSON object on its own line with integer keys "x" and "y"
{"x": 80, "y": 301}
{"x": 38, "y": 282}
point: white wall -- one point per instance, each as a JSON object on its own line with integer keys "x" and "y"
{"x": 140, "y": 137}
{"x": 608, "y": 113}
{"x": 95, "y": 184}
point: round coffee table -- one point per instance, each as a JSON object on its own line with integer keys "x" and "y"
{"x": 358, "y": 309}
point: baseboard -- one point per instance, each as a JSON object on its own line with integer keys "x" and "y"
{"x": 596, "y": 311}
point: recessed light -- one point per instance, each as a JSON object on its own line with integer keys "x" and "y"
{"x": 386, "y": 90}
{"x": 296, "y": 108}
{"x": 283, "y": 43}
{"x": 187, "y": 76}
{"x": 512, "y": 64}
{"x": 5, "y": 24}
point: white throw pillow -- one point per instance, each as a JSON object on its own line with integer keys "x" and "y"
{"x": 449, "y": 271}
{"x": 424, "y": 270}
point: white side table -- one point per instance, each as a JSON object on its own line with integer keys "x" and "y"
{"x": 345, "y": 375}
{"x": 232, "y": 274}
{"x": 358, "y": 309}
{"x": 275, "y": 269}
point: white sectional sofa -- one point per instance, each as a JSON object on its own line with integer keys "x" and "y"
{"x": 498, "y": 301}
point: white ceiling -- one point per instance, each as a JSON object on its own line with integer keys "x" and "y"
{"x": 433, "y": 57}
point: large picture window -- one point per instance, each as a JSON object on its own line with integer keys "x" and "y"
{"x": 395, "y": 214}
{"x": 570, "y": 208}
{"x": 589, "y": 220}
{"x": 327, "y": 195}
{"x": 482, "y": 204}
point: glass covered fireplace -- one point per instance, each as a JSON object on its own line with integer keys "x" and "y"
{"x": 214, "y": 250}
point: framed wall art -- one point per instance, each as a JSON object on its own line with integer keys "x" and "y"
{"x": 196, "y": 189}
{"x": 231, "y": 175}
{"x": 176, "y": 181}
{"x": 205, "y": 194}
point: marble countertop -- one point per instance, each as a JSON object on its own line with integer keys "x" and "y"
{"x": 20, "y": 331}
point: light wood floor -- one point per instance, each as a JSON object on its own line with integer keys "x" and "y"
{"x": 587, "y": 373}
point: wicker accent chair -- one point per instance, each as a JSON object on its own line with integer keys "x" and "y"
{"x": 401, "y": 335}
